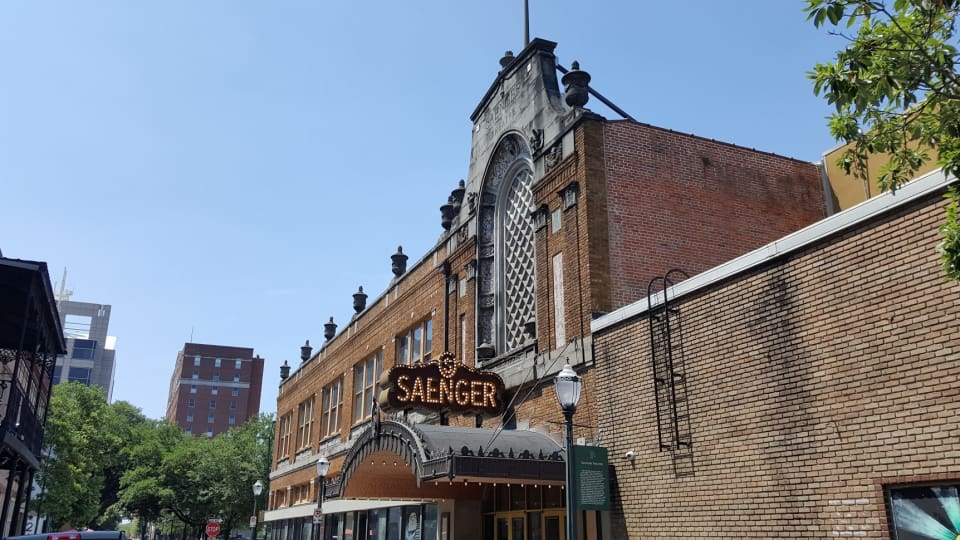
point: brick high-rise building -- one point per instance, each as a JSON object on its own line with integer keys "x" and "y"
{"x": 564, "y": 215}
{"x": 214, "y": 388}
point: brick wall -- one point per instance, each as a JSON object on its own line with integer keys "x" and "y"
{"x": 813, "y": 383}
{"x": 681, "y": 201}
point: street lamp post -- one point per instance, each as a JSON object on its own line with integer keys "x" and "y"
{"x": 257, "y": 490}
{"x": 568, "y": 385}
{"x": 323, "y": 466}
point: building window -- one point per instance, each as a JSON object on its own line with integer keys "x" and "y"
{"x": 191, "y": 403}
{"x": 189, "y": 417}
{"x": 214, "y": 390}
{"x": 366, "y": 375}
{"x": 80, "y": 375}
{"x": 232, "y": 420}
{"x": 463, "y": 338}
{"x": 209, "y": 433}
{"x": 83, "y": 349}
{"x": 188, "y": 431}
{"x": 233, "y": 404}
{"x": 234, "y": 392}
{"x": 332, "y": 408}
{"x": 216, "y": 363}
{"x": 238, "y": 364}
{"x": 196, "y": 361}
{"x": 56, "y": 374}
{"x": 559, "y": 320}
{"x": 236, "y": 378}
{"x": 555, "y": 221}
{"x": 925, "y": 511}
{"x": 213, "y": 404}
{"x": 304, "y": 423}
{"x": 193, "y": 389}
{"x": 283, "y": 442}
{"x": 216, "y": 376}
{"x": 415, "y": 345}
{"x": 210, "y": 418}
{"x": 196, "y": 375}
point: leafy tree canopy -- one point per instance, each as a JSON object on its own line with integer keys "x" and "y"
{"x": 896, "y": 90}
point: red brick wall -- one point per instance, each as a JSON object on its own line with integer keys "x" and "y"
{"x": 813, "y": 382}
{"x": 680, "y": 201}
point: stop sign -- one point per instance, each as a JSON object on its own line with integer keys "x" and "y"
{"x": 213, "y": 528}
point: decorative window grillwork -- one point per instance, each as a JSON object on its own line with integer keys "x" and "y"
{"x": 519, "y": 280}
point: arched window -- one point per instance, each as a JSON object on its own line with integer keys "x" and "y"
{"x": 507, "y": 285}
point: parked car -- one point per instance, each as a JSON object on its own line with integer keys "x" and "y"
{"x": 73, "y": 535}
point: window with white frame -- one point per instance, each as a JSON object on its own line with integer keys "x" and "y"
{"x": 189, "y": 417}
{"x": 232, "y": 420}
{"x": 216, "y": 362}
{"x": 211, "y": 418}
{"x": 332, "y": 408}
{"x": 238, "y": 364}
{"x": 304, "y": 423}
{"x": 415, "y": 345}
{"x": 234, "y": 392}
{"x": 283, "y": 441}
{"x": 196, "y": 361}
{"x": 191, "y": 403}
{"x": 214, "y": 390}
{"x": 366, "y": 375}
{"x": 193, "y": 389}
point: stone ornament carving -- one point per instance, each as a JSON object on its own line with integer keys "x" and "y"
{"x": 536, "y": 140}
{"x": 553, "y": 156}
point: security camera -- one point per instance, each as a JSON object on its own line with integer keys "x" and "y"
{"x": 631, "y": 455}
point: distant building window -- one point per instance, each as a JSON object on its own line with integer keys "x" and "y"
{"x": 196, "y": 361}
{"x": 216, "y": 376}
{"x": 233, "y": 404}
{"x": 191, "y": 403}
{"x": 196, "y": 375}
{"x": 332, "y": 408}
{"x": 210, "y": 419}
{"x": 189, "y": 417}
{"x": 416, "y": 345}
{"x": 216, "y": 363}
{"x": 83, "y": 349}
{"x": 193, "y": 389}
{"x": 188, "y": 431}
{"x": 239, "y": 364}
{"x": 234, "y": 392}
{"x": 56, "y": 373}
{"x": 236, "y": 378}
{"x": 213, "y": 404}
{"x": 232, "y": 420}
{"x": 214, "y": 391}
{"x": 209, "y": 433}
{"x": 80, "y": 375}
{"x": 366, "y": 376}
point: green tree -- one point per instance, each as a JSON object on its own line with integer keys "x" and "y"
{"x": 896, "y": 90}
{"x": 84, "y": 458}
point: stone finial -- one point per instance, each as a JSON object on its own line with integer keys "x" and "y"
{"x": 457, "y": 194}
{"x": 575, "y": 85}
{"x": 284, "y": 371}
{"x": 359, "y": 300}
{"x": 506, "y": 59}
{"x": 399, "y": 260}
{"x": 305, "y": 351}
{"x": 329, "y": 329}
{"x": 447, "y": 212}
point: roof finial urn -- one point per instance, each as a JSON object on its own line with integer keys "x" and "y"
{"x": 399, "y": 260}
{"x": 305, "y": 351}
{"x": 284, "y": 371}
{"x": 447, "y": 213}
{"x": 576, "y": 91}
{"x": 359, "y": 300}
{"x": 506, "y": 59}
{"x": 329, "y": 329}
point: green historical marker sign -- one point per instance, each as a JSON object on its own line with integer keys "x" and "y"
{"x": 592, "y": 477}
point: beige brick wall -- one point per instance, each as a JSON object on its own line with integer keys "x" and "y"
{"x": 813, "y": 382}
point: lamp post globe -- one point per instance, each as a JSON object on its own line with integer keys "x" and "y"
{"x": 323, "y": 467}
{"x": 257, "y": 488}
{"x": 568, "y": 385}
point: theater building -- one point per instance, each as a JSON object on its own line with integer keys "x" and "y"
{"x": 805, "y": 389}
{"x": 435, "y": 403}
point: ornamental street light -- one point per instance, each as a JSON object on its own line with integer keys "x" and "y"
{"x": 257, "y": 490}
{"x": 323, "y": 466}
{"x": 568, "y": 385}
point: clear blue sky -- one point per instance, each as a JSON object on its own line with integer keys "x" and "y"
{"x": 236, "y": 168}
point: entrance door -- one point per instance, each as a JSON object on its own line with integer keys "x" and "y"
{"x": 553, "y": 526}
{"x": 511, "y": 526}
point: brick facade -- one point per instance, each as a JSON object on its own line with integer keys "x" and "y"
{"x": 814, "y": 381}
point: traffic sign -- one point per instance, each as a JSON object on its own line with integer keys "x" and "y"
{"x": 317, "y": 515}
{"x": 213, "y": 528}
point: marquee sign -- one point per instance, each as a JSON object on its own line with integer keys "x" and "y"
{"x": 446, "y": 385}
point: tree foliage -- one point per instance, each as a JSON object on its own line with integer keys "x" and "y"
{"x": 106, "y": 461}
{"x": 896, "y": 90}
